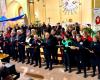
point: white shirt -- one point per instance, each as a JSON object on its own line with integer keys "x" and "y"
{"x": 27, "y": 39}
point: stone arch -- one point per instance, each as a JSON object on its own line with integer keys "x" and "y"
{"x": 13, "y": 9}
{"x": 20, "y": 10}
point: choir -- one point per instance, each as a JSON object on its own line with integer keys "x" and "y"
{"x": 81, "y": 51}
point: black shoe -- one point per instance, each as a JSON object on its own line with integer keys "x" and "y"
{"x": 79, "y": 72}
{"x": 98, "y": 76}
{"x": 69, "y": 71}
{"x": 31, "y": 63}
{"x": 35, "y": 65}
{"x": 23, "y": 62}
{"x": 85, "y": 76}
{"x": 46, "y": 67}
{"x": 93, "y": 75}
{"x": 15, "y": 60}
{"x": 19, "y": 61}
{"x": 39, "y": 66}
{"x": 50, "y": 68}
{"x": 27, "y": 62}
{"x": 65, "y": 70}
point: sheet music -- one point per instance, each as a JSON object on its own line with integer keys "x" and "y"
{"x": 8, "y": 65}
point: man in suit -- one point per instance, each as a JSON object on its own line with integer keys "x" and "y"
{"x": 13, "y": 45}
{"x": 47, "y": 48}
{"x": 27, "y": 41}
{"x": 36, "y": 48}
{"x": 21, "y": 45}
{"x": 54, "y": 48}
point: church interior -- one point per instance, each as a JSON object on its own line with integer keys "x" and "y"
{"x": 49, "y": 39}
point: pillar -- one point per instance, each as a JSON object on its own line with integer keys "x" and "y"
{"x": 31, "y": 13}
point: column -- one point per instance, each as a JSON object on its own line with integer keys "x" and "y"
{"x": 31, "y": 14}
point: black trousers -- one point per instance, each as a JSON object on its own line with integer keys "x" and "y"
{"x": 48, "y": 59}
{"x": 28, "y": 54}
{"x": 37, "y": 58}
{"x": 13, "y": 52}
{"x": 67, "y": 60}
{"x": 95, "y": 61}
{"x": 34, "y": 56}
{"x": 81, "y": 62}
{"x": 21, "y": 50}
{"x": 31, "y": 57}
{"x": 54, "y": 54}
{"x": 6, "y": 50}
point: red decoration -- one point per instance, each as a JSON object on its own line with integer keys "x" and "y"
{"x": 97, "y": 20}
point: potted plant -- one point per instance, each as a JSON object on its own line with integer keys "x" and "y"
{"x": 89, "y": 30}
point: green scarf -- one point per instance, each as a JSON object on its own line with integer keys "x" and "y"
{"x": 66, "y": 43}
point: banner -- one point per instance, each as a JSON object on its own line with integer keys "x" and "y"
{"x": 97, "y": 18}
{"x": 3, "y": 18}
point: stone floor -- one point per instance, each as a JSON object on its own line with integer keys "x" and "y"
{"x": 29, "y": 72}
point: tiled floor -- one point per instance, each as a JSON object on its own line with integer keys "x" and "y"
{"x": 28, "y": 72}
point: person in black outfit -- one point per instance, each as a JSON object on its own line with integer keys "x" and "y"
{"x": 95, "y": 55}
{"x": 24, "y": 28}
{"x": 67, "y": 56}
{"x": 36, "y": 48}
{"x": 58, "y": 29}
{"x": 6, "y": 44}
{"x": 80, "y": 55}
{"x": 54, "y": 47}
{"x": 13, "y": 45}
{"x": 4, "y": 72}
{"x": 8, "y": 71}
{"x": 21, "y": 45}
{"x": 31, "y": 26}
{"x": 46, "y": 44}
{"x": 28, "y": 38}
{"x": 86, "y": 45}
{"x": 48, "y": 28}
{"x": 16, "y": 28}
{"x": 77, "y": 28}
{"x": 43, "y": 28}
{"x": 31, "y": 51}
{"x": 1, "y": 42}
